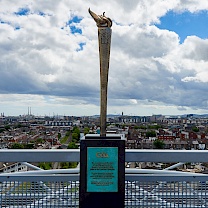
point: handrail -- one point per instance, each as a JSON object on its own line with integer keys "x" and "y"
{"x": 152, "y": 155}
{"x": 37, "y": 155}
{"x": 132, "y": 155}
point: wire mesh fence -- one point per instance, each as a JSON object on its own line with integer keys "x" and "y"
{"x": 143, "y": 188}
{"x": 166, "y": 194}
{"x": 145, "y": 194}
{"x": 39, "y": 194}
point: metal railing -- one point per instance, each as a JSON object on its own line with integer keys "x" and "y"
{"x": 144, "y": 187}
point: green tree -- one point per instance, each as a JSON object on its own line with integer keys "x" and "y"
{"x": 72, "y": 145}
{"x": 77, "y": 131}
{"x": 39, "y": 140}
{"x": 150, "y": 134}
{"x": 45, "y": 165}
{"x": 17, "y": 146}
{"x": 86, "y": 130}
{"x": 75, "y": 137}
{"x": 65, "y": 165}
{"x": 159, "y": 144}
{"x": 154, "y": 126}
{"x": 7, "y": 127}
{"x": 142, "y": 127}
{"x": 195, "y": 129}
{"x": 59, "y": 135}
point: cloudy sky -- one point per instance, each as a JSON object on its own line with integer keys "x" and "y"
{"x": 50, "y": 62}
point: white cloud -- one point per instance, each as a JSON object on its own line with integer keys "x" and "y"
{"x": 41, "y": 57}
{"x": 192, "y": 5}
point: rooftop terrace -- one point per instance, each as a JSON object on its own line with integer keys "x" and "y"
{"x": 144, "y": 188}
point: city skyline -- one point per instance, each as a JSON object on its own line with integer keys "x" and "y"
{"x": 50, "y": 61}
{"x": 30, "y": 114}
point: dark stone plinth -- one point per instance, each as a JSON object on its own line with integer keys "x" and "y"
{"x": 102, "y": 172}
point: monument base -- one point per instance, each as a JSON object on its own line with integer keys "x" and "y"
{"x": 102, "y": 172}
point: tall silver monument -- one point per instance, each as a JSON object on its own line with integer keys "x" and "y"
{"x": 104, "y": 38}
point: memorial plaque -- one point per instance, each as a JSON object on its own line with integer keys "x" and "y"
{"x": 102, "y": 169}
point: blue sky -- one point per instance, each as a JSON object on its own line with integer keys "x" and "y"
{"x": 186, "y": 23}
{"x": 22, "y": 11}
{"x": 73, "y": 28}
{"x": 50, "y": 57}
